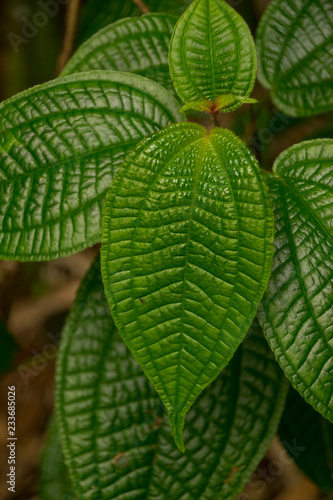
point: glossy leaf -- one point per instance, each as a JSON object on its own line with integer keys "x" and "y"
{"x": 186, "y": 257}
{"x": 96, "y": 14}
{"x": 295, "y": 55}
{"x": 309, "y": 439}
{"x": 60, "y": 146}
{"x": 212, "y": 53}
{"x": 54, "y": 480}
{"x": 114, "y": 432}
{"x": 297, "y": 312}
{"x": 139, "y": 45}
{"x": 8, "y": 348}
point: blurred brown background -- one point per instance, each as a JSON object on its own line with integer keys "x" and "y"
{"x": 35, "y": 298}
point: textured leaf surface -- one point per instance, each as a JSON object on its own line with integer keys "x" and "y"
{"x": 186, "y": 256}
{"x": 115, "y": 435}
{"x": 297, "y": 312}
{"x": 60, "y": 146}
{"x": 54, "y": 480}
{"x": 212, "y": 53}
{"x": 8, "y": 349}
{"x": 312, "y": 434}
{"x": 96, "y": 14}
{"x": 295, "y": 55}
{"x": 139, "y": 45}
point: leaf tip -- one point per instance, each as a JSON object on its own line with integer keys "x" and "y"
{"x": 177, "y": 421}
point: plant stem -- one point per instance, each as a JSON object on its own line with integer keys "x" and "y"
{"x": 71, "y": 25}
{"x": 215, "y": 119}
{"x": 142, "y": 6}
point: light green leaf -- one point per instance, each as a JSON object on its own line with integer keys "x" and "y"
{"x": 297, "y": 312}
{"x": 54, "y": 480}
{"x": 186, "y": 257}
{"x": 8, "y": 348}
{"x": 222, "y": 103}
{"x": 114, "y": 430}
{"x": 96, "y": 14}
{"x": 212, "y": 53}
{"x": 139, "y": 45}
{"x": 308, "y": 437}
{"x": 295, "y": 55}
{"x": 60, "y": 146}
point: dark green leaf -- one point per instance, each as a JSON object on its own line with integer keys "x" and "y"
{"x": 295, "y": 55}
{"x": 186, "y": 257}
{"x": 297, "y": 312}
{"x": 115, "y": 434}
{"x": 8, "y": 349}
{"x": 139, "y": 45}
{"x": 212, "y": 53}
{"x": 60, "y": 145}
{"x": 308, "y": 437}
{"x": 54, "y": 480}
{"x": 97, "y": 14}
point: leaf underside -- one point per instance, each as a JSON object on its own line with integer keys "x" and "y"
{"x": 139, "y": 45}
{"x": 212, "y": 53}
{"x": 60, "y": 146}
{"x": 113, "y": 427}
{"x": 296, "y": 312}
{"x": 309, "y": 439}
{"x": 186, "y": 256}
{"x": 54, "y": 480}
{"x": 295, "y": 55}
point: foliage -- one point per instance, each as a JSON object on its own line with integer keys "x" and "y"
{"x": 187, "y": 244}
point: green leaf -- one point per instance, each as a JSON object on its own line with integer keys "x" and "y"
{"x": 295, "y": 55}
{"x": 297, "y": 312}
{"x": 308, "y": 437}
{"x": 54, "y": 480}
{"x": 139, "y": 45}
{"x": 186, "y": 257}
{"x": 221, "y": 103}
{"x": 8, "y": 348}
{"x": 96, "y": 14}
{"x": 114, "y": 430}
{"x": 60, "y": 146}
{"x": 212, "y": 53}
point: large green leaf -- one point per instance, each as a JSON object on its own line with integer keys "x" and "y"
{"x": 309, "y": 439}
{"x": 97, "y": 14}
{"x": 212, "y": 53}
{"x": 116, "y": 437}
{"x": 8, "y": 348}
{"x": 139, "y": 45}
{"x": 60, "y": 145}
{"x": 295, "y": 55}
{"x": 186, "y": 257}
{"x": 297, "y": 312}
{"x": 54, "y": 480}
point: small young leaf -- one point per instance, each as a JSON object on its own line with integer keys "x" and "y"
{"x": 308, "y": 437}
{"x": 222, "y": 103}
{"x": 114, "y": 430}
{"x": 54, "y": 480}
{"x": 297, "y": 312}
{"x": 139, "y": 45}
{"x": 212, "y": 53}
{"x": 60, "y": 146}
{"x": 186, "y": 257}
{"x": 295, "y": 55}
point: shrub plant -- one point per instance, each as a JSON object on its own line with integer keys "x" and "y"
{"x": 201, "y": 248}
